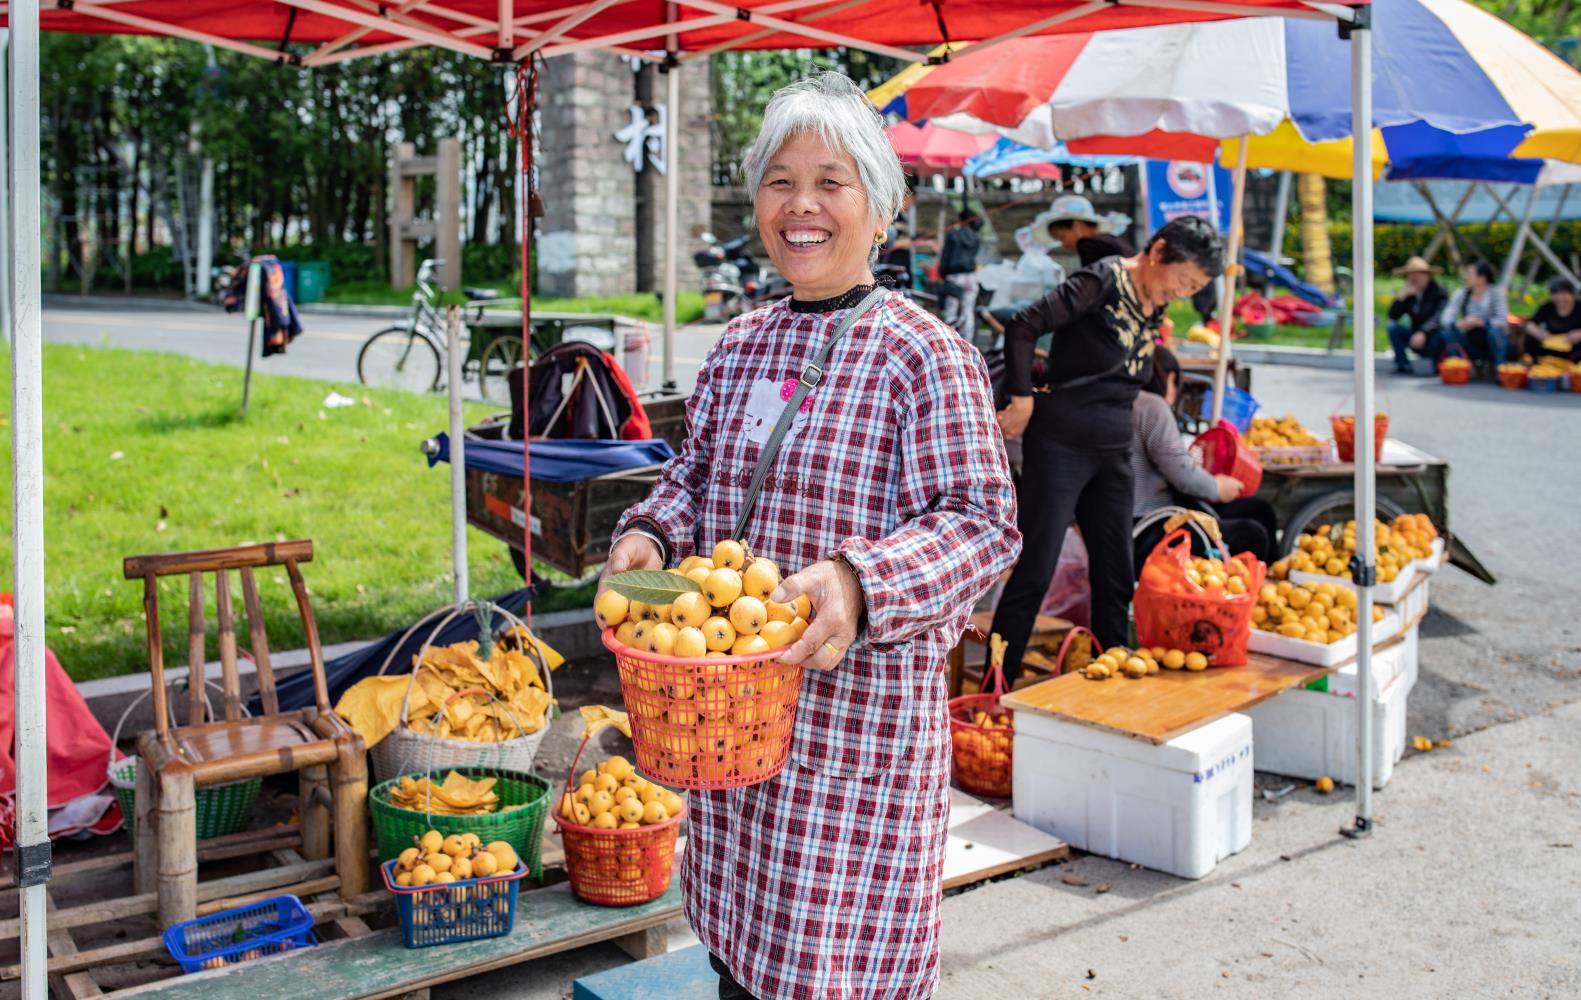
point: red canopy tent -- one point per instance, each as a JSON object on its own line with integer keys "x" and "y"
{"x": 508, "y": 31}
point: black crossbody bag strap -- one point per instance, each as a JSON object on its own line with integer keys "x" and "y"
{"x": 809, "y": 378}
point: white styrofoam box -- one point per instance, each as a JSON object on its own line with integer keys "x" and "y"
{"x": 1382, "y": 593}
{"x": 1309, "y": 734}
{"x": 1177, "y": 807}
{"x": 1413, "y": 604}
{"x": 1321, "y": 654}
{"x": 1434, "y": 562}
{"x": 1413, "y": 644}
{"x": 1393, "y": 661}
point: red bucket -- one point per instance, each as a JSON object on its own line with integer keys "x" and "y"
{"x": 1222, "y": 453}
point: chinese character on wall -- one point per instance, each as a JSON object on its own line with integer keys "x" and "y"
{"x": 645, "y": 131}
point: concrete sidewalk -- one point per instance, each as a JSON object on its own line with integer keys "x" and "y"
{"x": 1470, "y": 887}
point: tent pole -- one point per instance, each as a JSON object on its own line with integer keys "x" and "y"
{"x": 1365, "y": 566}
{"x": 1232, "y": 270}
{"x": 672, "y": 197}
{"x": 5, "y": 194}
{"x": 1548, "y": 235}
{"x": 32, "y": 862}
{"x": 1519, "y": 243}
{"x": 458, "y": 454}
{"x": 1542, "y": 247}
{"x": 1276, "y": 247}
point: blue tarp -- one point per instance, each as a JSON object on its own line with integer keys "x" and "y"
{"x": 559, "y": 461}
{"x": 1261, "y": 265}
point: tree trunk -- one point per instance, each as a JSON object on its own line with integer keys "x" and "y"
{"x": 1316, "y": 255}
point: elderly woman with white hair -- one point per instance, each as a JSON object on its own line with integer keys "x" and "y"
{"x": 891, "y": 491}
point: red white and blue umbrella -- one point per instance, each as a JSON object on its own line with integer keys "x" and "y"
{"x": 1457, "y": 91}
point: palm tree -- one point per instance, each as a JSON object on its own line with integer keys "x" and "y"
{"x": 1316, "y": 256}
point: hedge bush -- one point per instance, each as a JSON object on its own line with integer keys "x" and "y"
{"x": 1392, "y": 243}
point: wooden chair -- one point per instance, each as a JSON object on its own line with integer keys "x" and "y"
{"x": 176, "y": 761}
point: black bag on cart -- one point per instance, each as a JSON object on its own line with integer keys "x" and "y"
{"x": 578, "y": 392}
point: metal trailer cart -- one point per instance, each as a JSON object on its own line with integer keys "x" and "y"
{"x": 571, "y": 522}
{"x": 1410, "y": 481}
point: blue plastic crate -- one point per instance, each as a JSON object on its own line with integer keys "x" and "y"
{"x": 1552, "y": 383}
{"x": 1239, "y": 407}
{"x": 280, "y": 923}
{"x": 467, "y": 910}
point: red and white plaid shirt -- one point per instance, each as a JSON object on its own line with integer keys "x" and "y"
{"x": 824, "y": 882}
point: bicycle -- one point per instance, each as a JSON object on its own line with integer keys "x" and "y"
{"x": 412, "y": 355}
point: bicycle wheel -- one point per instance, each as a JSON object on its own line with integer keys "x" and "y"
{"x": 397, "y": 358}
{"x": 503, "y": 353}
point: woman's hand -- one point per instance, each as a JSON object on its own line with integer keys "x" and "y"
{"x": 837, "y": 606}
{"x": 1229, "y": 488}
{"x": 633, "y": 551}
{"x": 1013, "y": 419}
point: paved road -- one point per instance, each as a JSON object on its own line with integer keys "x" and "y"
{"x": 327, "y": 350}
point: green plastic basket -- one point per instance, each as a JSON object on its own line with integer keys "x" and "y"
{"x": 522, "y": 828}
{"x": 221, "y": 809}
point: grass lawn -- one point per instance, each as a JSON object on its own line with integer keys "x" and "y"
{"x": 1284, "y": 335}
{"x": 638, "y": 305}
{"x": 144, "y": 452}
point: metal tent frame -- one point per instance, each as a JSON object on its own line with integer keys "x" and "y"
{"x": 383, "y": 27}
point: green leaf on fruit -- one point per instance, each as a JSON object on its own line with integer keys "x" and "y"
{"x": 652, "y": 586}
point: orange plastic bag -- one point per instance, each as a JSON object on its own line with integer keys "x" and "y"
{"x": 1177, "y": 614}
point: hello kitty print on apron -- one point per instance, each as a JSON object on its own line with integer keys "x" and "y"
{"x": 766, "y": 402}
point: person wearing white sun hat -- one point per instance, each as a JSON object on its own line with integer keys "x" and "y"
{"x": 1072, "y": 223}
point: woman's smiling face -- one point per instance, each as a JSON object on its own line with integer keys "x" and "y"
{"x": 813, "y": 218}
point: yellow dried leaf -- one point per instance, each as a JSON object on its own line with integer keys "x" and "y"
{"x": 372, "y": 707}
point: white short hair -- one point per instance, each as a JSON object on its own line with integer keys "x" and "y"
{"x": 835, "y": 109}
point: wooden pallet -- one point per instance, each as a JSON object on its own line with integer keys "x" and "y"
{"x": 72, "y": 968}
{"x": 378, "y": 965}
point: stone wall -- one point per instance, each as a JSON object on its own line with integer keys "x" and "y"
{"x": 587, "y": 239}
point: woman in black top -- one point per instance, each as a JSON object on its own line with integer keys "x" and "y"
{"x": 1559, "y": 316}
{"x": 1078, "y": 428}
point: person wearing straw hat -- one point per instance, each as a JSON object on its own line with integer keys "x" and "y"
{"x": 1072, "y": 223}
{"x": 887, "y": 487}
{"x": 1414, "y": 315}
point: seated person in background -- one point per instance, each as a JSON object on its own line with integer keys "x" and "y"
{"x": 1477, "y": 318}
{"x": 1555, "y": 320}
{"x": 1073, "y": 224}
{"x": 1167, "y": 475}
{"x": 894, "y": 257}
{"x": 1415, "y": 313}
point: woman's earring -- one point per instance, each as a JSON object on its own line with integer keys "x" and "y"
{"x": 881, "y": 239}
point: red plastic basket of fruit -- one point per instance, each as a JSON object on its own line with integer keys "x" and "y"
{"x": 982, "y": 733}
{"x": 631, "y": 861}
{"x": 1344, "y": 428}
{"x": 710, "y": 704}
{"x": 1512, "y": 376}
{"x": 1222, "y": 453}
{"x": 1454, "y": 368}
{"x": 708, "y": 723}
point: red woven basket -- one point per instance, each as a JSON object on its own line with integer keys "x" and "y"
{"x": 617, "y": 867}
{"x": 1223, "y": 454}
{"x": 983, "y": 755}
{"x": 708, "y": 724}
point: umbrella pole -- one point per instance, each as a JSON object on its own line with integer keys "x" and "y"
{"x": 1364, "y": 566}
{"x": 458, "y": 454}
{"x": 32, "y": 862}
{"x": 1232, "y": 269}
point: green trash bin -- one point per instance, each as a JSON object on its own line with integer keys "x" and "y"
{"x": 312, "y": 281}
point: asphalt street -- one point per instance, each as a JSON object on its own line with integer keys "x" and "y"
{"x": 1471, "y": 885}
{"x": 326, "y": 350}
